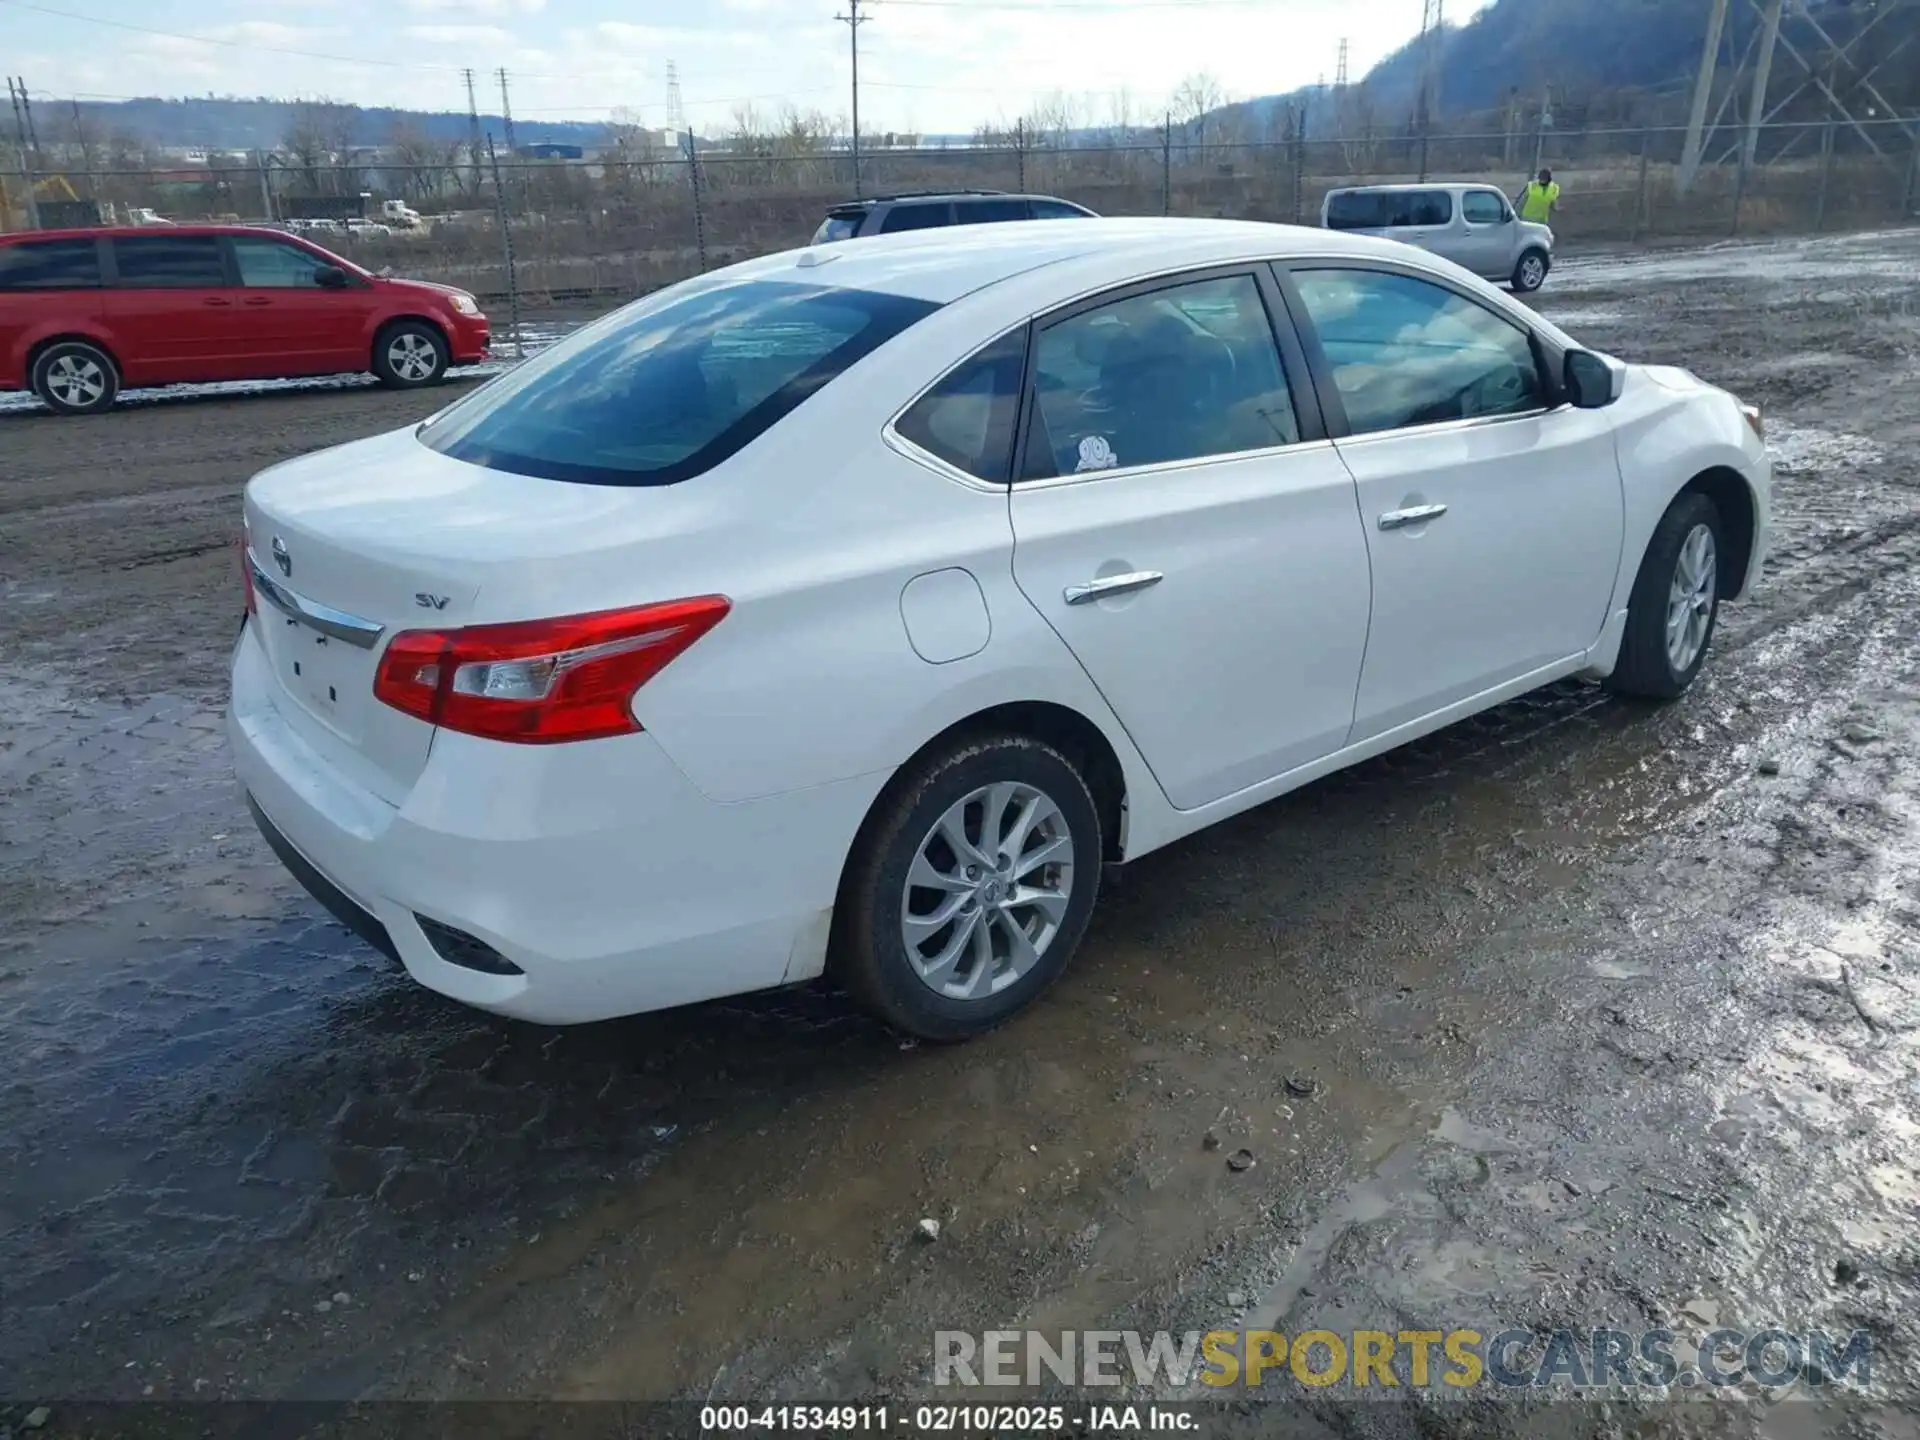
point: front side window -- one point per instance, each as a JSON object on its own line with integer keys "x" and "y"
{"x": 671, "y": 388}
{"x": 1483, "y": 207}
{"x": 270, "y": 264}
{"x": 50, "y": 265}
{"x": 1405, "y": 352}
{"x": 916, "y": 217}
{"x": 967, "y": 419}
{"x": 1174, "y": 374}
{"x": 169, "y": 262}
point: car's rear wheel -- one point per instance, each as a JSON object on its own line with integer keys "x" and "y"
{"x": 970, "y": 886}
{"x": 1675, "y": 604}
{"x": 410, "y": 354}
{"x": 1531, "y": 273}
{"x": 75, "y": 378}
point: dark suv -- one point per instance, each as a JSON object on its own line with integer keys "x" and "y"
{"x": 929, "y": 209}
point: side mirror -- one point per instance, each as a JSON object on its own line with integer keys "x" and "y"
{"x": 1593, "y": 381}
{"x": 330, "y": 277}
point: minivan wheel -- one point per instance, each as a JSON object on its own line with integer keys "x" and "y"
{"x": 1531, "y": 273}
{"x": 969, "y": 887}
{"x": 1675, "y": 604}
{"x": 410, "y": 354}
{"x": 75, "y": 378}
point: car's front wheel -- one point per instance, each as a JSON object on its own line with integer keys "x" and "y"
{"x": 970, "y": 886}
{"x": 1531, "y": 273}
{"x": 409, "y": 355}
{"x": 1675, "y": 604}
{"x": 75, "y": 378}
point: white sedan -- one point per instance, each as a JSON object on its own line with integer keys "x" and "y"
{"x": 848, "y": 610}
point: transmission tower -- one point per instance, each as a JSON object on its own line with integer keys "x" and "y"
{"x": 473, "y": 131}
{"x": 1340, "y": 69}
{"x": 506, "y": 109}
{"x": 676, "y": 107}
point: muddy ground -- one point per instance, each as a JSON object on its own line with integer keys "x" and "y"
{"x": 1582, "y": 1013}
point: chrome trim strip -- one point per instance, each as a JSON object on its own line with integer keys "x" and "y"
{"x": 334, "y": 624}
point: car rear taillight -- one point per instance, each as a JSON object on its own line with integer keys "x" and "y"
{"x": 246, "y": 571}
{"x": 539, "y": 682}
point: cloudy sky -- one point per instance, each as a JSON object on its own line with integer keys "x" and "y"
{"x": 930, "y": 65}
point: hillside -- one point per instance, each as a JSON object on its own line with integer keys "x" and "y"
{"x": 1633, "y": 59}
{"x": 246, "y": 124}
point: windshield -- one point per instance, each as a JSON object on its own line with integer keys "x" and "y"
{"x": 837, "y": 227}
{"x": 665, "y": 391}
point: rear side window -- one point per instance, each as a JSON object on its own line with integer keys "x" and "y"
{"x": 1057, "y": 210}
{"x": 916, "y": 217}
{"x": 169, "y": 261}
{"x": 1483, "y": 207}
{"x": 841, "y": 225}
{"x": 968, "y": 418}
{"x": 988, "y": 212}
{"x": 1388, "y": 209}
{"x": 50, "y": 265}
{"x": 1176, "y": 374}
{"x": 669, "y": 390}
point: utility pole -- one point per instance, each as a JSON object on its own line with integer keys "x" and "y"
{"x": 1432, "y": 19}
{"x": 1702, "y": 97}
{"x": 86, "y": 150}
{"x": 473, "y": 132}
{"x": 853, "y": 20}
{"x": 16, "y": 94}
{"x": 506, "y": 110}
{"x": 1762, "y": 75}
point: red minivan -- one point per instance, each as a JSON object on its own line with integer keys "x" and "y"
{"x": 84, "y": 313}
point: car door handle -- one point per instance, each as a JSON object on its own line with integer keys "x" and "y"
{"x": 1415, "y": 515}
{"x": 1112, "y": 585}
{"x": 216, "y": 300}
{"x": 258, "y": 300}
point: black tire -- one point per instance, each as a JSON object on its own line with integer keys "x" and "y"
{"x": 1530, "y": 273}
{"x": 870, "y": 951}
{"x": 1646, "y": 667}
{"x": 75, "y": 378}
{"x": 410, "y": 354}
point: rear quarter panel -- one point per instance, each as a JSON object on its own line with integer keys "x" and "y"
{"x": 28, "y": 317}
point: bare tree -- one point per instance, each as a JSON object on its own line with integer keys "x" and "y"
{"x": 1194, "y": 101}
{"x": 422, "y": 166}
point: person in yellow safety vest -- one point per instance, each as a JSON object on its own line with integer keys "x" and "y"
{"x": 1540, "y": 199}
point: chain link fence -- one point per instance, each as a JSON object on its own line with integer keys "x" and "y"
{"x": 617, "y": 225}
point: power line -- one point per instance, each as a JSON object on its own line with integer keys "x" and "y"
{"x": 228, "y": 44}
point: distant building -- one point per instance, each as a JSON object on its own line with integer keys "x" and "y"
{"x": 547, "y": 150}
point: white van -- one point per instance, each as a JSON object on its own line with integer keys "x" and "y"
{"x": 1472, "y": 225}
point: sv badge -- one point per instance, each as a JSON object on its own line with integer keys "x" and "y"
{"x": 430, "y": 602}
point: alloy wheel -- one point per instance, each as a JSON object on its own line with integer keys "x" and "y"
{"x": 987, "y": 891}
{"x": 76, "y": 380}
{"x": 413, "y": 357}
{"x": 1690, "y": 598}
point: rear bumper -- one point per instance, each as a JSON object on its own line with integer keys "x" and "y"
{"x": 597, "y": 869}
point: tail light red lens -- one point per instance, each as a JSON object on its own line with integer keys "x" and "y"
{"x": 540, "y": 682}
{"x": 246, "y": 572}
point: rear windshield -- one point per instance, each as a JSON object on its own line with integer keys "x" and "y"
{"x": 841, "y": 225}
{"x": 1388, "y": 209}
{"x": 668, "y": 390}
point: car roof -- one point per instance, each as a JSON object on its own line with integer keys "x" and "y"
{"x": 941, "y": 265}
{"x": 934, "y": 197}
{"x": 90, "y": 232}
{"x": 1429, "y": 185}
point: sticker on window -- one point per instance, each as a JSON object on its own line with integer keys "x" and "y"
{"x": 1096, "y": 454}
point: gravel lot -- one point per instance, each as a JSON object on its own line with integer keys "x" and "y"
{"x": 1594, "y": 1014}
